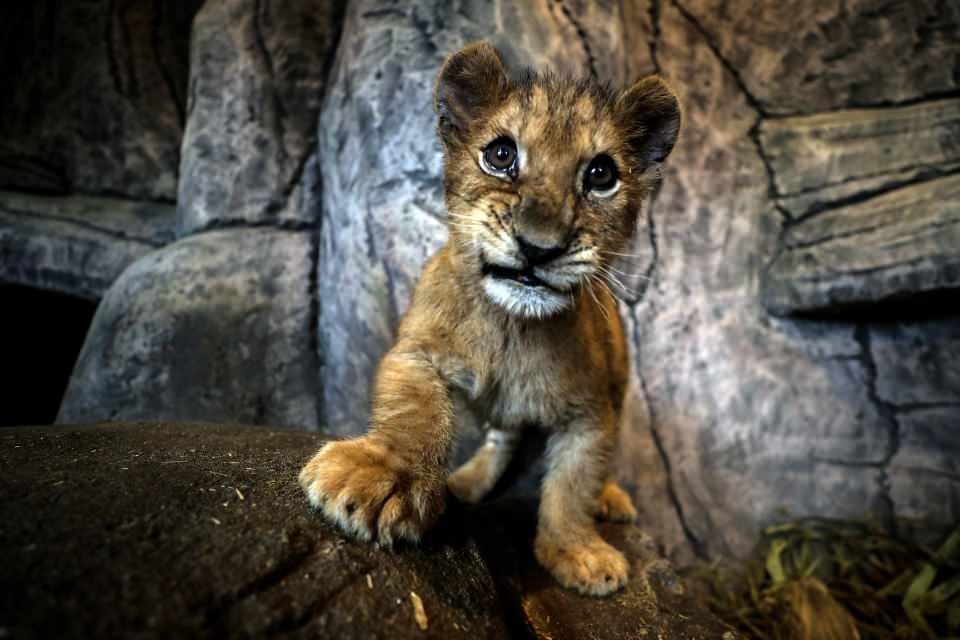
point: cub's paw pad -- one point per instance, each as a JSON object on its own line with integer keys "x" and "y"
{"x": 615, "y": 505}
{"x": 593, "y": 567}
{"x": 370, "y": 493}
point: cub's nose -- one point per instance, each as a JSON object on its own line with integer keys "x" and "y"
{"x": 537, "y": 255}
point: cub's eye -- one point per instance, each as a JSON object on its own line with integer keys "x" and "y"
{"x": 601, "y": 176}
{"x": 500, "y": 156}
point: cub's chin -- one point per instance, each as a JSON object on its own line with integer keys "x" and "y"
{"x": 521, "y": 293}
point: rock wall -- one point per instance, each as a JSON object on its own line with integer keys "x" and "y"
{"x": 791, "y": 301}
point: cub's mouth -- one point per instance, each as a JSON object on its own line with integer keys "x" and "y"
{"x": 524, "y": 276}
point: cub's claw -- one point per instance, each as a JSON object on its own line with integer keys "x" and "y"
{"x": 370, "y": 493}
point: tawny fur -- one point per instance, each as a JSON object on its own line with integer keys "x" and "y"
{"x": 512, "y": 355}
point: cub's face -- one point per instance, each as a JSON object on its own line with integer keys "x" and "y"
{"x": 545, "y": 176}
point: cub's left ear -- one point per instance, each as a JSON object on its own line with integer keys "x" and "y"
{"x": 650, "y": 115}
{"x": 469, "y": 83}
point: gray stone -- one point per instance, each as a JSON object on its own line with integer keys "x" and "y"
{"x": 811, "y": 152}
{"x": 214, "y": 327}
{"x": 77, "y": 244}
{"x": 160, "y": 530}
{"x": 256, "y": 84}
{"x": 94, "y": 96}
{"x": 383, "y": 190}
{"x": 818, "y": 55}
{"x": 924, "y": 472}
{"x": 895, "y": 245}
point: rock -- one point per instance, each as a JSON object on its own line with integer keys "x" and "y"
{"x": 746, "y": 416}
{"x": 812, "y": 152}
{"x": 383, "y": 191}
{"x": 194, "y": 530}
{"x": 891, "y": 246}
{"x": 821, "y": 56}
{"x": 95, "y": 96}
{"x": 256, "y": 85}
{"x": 160, "y": 530}
{"x": 77, "y": 244}
{"x": 218, "y": 324}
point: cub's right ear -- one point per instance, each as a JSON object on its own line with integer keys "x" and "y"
{"x": 470, "y": 82}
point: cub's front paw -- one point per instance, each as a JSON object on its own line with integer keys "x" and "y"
{"x": 371, "y": 493}
{"x": 591, "y": 566}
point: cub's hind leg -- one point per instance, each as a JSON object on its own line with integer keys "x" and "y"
{"x": 614, "y": 504}
{"x": 478, "y": 475}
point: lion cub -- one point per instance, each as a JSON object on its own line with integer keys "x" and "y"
{"x": 513, "y": 319}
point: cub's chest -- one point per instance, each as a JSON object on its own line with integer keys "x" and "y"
{"x": 527, "y": 382}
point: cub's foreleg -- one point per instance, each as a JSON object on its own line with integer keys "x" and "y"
{"x": 478, "y": 475}
{"x": 389, "y": 484}
{"x": 567, "y": 542}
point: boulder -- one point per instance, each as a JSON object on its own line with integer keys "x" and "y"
{"x": 166, "y": 530}
{"x": 218, "y": 324}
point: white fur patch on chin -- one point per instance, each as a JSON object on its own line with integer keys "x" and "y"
{"x": 524, "y": 301}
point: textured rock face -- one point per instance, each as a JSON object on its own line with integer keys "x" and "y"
{"x": 77, "y": 244}
{"x": 256, "y": 85}
{"x": 166, "y": 530}
{"x": 214, "y": 327}
{"x": 95, "y": 95}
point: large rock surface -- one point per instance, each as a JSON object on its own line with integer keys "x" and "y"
{"x": 162, "y": 530}
{"x": 256, "y": 84}
{"x": 215, "y": 326}
{"x": 94, "y": 95}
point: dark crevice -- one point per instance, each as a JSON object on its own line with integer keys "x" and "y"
{"x": 273, "y": 84}
{"x": 865, "y": 230}
{"x": 887, "y": 413}
{"x": 715, "y": 48}
{"x": 582, "y": 36}
{"x": 286, "y": 626}
{"x": 119, "y": 235}
{"x": 909, "y": 407}
{"x": 290, "y": 225}
{"x": 695, "y": 543}
{"x": 925, "y": 173}
{"x": 112, "y": 64}
{"x": 168, "y": 79}
{"x": 655, "y": 8}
